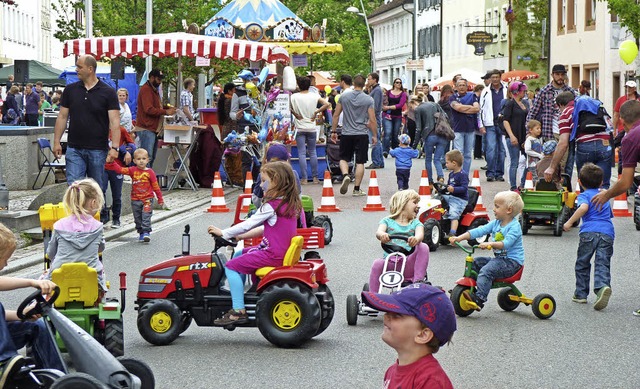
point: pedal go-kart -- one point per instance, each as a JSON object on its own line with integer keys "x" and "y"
{"x": 312, "y": 223}
{"x": 636, "y": 201}
{"x": 436, "y": 226}
{"x": 547, "y": 206}
{"x": 290, "y": 304}
{"x": 79, "y": 293}
{"x": 94, "y": 366}
{"x": 509, "y": 297}
{"x": 391, "y": 279}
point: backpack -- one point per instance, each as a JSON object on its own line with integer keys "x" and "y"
{"x": 589, "y": 123}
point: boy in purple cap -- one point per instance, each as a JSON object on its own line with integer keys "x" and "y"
{"x": 419, "y": 319}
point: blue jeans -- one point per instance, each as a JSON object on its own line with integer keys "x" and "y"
{"x": 114, "y": 180}
{"x": 306, "y": 142}
{"x": 434, "y": 147}
{"x": 489, "y": 269}
{"x": 602, "y": 246}
{"x": 149, "y": 142}
{"x": 597, "y": 153}
{"x": 494, "y": 152}
{"x": 514, "y": 155}
{"x": 83, "y": 163}
{"x": 15, "y": 335}
{"x": 464, "y": 142}
{"x": 391, "y": 132}
{"x": 376, "y": 150}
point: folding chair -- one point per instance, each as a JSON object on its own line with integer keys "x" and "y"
{"x": 50, "y": 166}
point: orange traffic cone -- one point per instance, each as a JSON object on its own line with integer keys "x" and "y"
{"x": 425, "y": 190}
{"x": 528, "y": 184}
{"x": 328, "y": 201}
{"x": 475, "y": 181}
{"x": 479, "y": 204}
{"x": 248, "y": 186}
{"x": 620, "y": 205}
{"x": 217, "y": 196}
{"x": 373, "y": 195}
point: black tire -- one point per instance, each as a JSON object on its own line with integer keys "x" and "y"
{"x": 159, "y": 322}
{"x": 141, "y": 370}
{"x": 432, "y": 234}
{"x": 565, "y": 214}
{"x": 524, "y": 223}
{"x": 365, "y": 287}
{"x": 114, "y": 337}
{"x": 288, "y": 314}
{"x": 505, "y": 302}
{"x": 46, "y": 376}
{"x": 77, "y": 381}
{"x": 543, "y": 306}
{"x": 557, "y": 226}
{"x": 352, "y": 309}
{"x": 328, "y": 312}
{"x": 458, "y": 301}
{"x": 324, "y": 222}
{"x": 185, "y": 321}
{"x": 475, "y": 224}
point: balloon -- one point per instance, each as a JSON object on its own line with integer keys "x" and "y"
{"x": 250, "y": 85}
{"x": 327, "y": 89}
{"x": 264, "y": 73}
{"x": 628, "y": 51}
{"x": 337, "y": 98}
{"x": 289, "y": 79}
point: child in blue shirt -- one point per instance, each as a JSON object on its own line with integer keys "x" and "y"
{"x": 507, "y": 245}
{"x": 458, "y": 187}
{"x": 596, "y": 237}
{"x": 403, "y": 156}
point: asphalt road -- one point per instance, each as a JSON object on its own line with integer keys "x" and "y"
{"x": 576, "y": 348}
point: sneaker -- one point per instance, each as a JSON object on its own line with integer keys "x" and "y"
{"x": 500, "y": 179}
{"x": 145, "y": 237}
{"x": 372, "y": 166}
{"x": 316, "y": 181}
{"x": 579, "y": 300}
{"x": 232, "y": 317}
{"x": 141, "y": 237}
{"x": 9, "y": 367}
{"x": 345, "y": 184}
{"x": 473, "y": 298}
{"x": 358, "y": 193}
{"x": 115, "y": 224}
{"x": 490, "y": 179}
{"x": 603, "y": 298}
{"x": 385, "y": 154}
{"x": 636, "y": 312}
{"x": 484, "y": 167}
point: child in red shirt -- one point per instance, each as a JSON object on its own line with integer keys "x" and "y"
{"x": 418, "y": 320}
{"x": 144, "y": 185}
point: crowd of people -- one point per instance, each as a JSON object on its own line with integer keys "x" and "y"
{"x": 27, "y": 103}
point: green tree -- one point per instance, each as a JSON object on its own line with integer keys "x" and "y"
{"x": 527, "y": 41}
{"x": 629, "y": 13}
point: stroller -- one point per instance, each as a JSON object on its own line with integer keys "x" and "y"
{"x": 333, "y": 158}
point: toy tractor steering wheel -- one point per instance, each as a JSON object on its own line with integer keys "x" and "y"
{"x": 391, "y": 247}
{"x": 440, "y": 188}
{"x": 222, "y": 242}
{"x": 41, "y": 303}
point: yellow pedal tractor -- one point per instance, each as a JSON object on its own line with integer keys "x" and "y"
{"x": 79, "y": 298}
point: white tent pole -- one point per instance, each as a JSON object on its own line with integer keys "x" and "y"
{"x": 88, "y": 11}
{"x": 149, "y": 63}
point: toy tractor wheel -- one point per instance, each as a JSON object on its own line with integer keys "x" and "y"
{"x": 114, "y": 337}
{"x": 324, "y": 222}
{"x": 475, "y": 224}
{"x": 141, "y": 370}
{"x": 543, "y": 306}
{"x": 46, "y": 376}
{"x": 77, "y": 380}
{"x": 505, "y": 302}
{"x": 636, "y": 210}
{"x": 557, "y": 226}
{"x": 185, "y": 321}
{"x": 159, "y": 322}
{"x": 288, "y": 314}
{"x": 352, "y": 309}
{"x": 432, "y": 234}
{"x": 524, "y": 223}
{"x": 460, "y": 305}
{"x": 328, "y": 311}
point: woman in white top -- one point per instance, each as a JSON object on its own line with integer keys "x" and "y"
{"x": 304, "y": 108}
{"x": 125, "y": 111}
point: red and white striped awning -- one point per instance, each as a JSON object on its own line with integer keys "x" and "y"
{"x": 177, "y": 44}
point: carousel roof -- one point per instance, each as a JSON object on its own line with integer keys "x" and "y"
{"x": 267, "y": 13}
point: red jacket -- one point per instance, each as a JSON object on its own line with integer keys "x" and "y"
{"x": 149, "y": 108}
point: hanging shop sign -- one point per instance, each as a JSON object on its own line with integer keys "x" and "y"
{"x": 479, "y": 39}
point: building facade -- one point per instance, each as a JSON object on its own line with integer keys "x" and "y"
{"x": 497, "y": 53}
{"x": 458, "y": 17}
{"x": 429, "y": 38}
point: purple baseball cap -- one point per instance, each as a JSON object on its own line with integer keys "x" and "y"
{"x": 426, "y": 303}
{"x": 277, "y": 150}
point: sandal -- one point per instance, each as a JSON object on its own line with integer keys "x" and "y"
{"x": 232, "y": 317}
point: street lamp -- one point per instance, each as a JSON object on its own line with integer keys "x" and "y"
{"x": 355, "y": 10}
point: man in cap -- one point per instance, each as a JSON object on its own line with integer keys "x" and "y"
{"x": 150, "y": 113}
{"x": 419, "y": 319}
{"x": 240, "y": 105}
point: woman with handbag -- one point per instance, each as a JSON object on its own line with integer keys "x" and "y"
{"x": 514, "y": 113}
{"x": 435, "y": 142}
